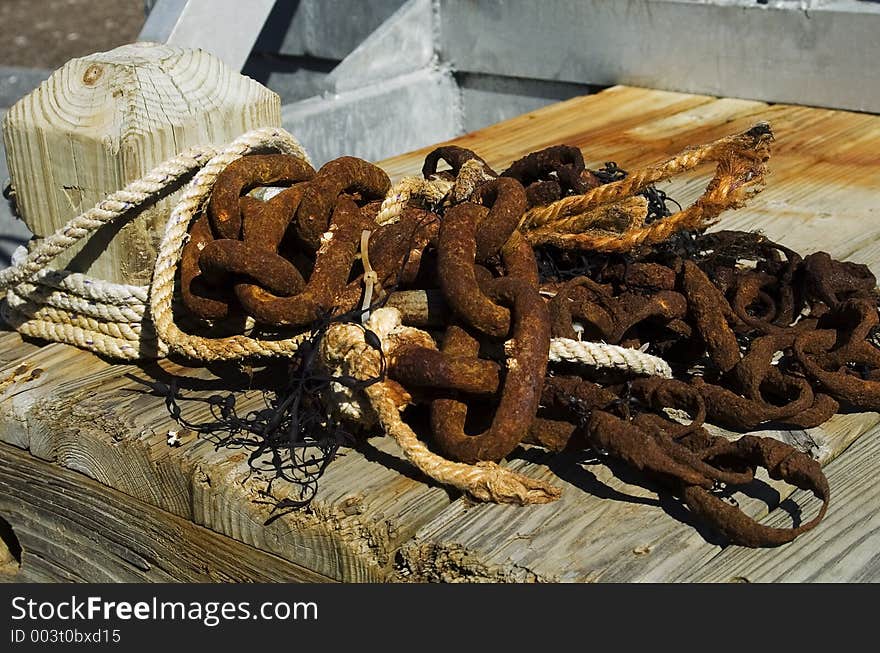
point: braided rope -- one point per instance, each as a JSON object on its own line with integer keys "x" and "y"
{"x": 472, "y": 173}
{"x": 600, "y": 354}
{"x": 71, "y": 303}
{"x": 625, "y": 215}
{"x": 431, "y": 191}
{"x": 71, "y": 334}
{"x": 89, "y": 288}
{"x": 120, "y": 330}
{"x": 741, "y": 167}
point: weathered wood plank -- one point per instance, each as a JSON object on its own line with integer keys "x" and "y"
{"x": 12, "y": 346}
{"x": 605, "y": 528}
{"x": 24, "y": 381}
{"x": 845, "y": 547}
{"x": 587, "y": 122}
{"x": 85, "y": 414}
{"x": 71, "y": 528}
{"x": 80, "y": 412}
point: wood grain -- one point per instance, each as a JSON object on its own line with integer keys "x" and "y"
{"x": 609, "y": 526}
{"x": 84, "y": 414}
{"x": 53, "y": 513}
{"x": 12, "y": 346}
{"x": 104, "y": 120}
{"x": 587, "y": 122}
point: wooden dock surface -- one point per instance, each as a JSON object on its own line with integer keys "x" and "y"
{"x": 92, "y": 491}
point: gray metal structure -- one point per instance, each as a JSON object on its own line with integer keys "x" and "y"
{"x": 376, "y": 77}
{"x": 228, "y": 29}
{"x": 819, "y": 53}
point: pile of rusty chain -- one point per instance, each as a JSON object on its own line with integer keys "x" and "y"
{"x": 248, "y": 256}
{"x": 756, "y": 334}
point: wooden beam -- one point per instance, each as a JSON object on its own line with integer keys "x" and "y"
{"x": 81, "y": 413}
{"x": 103, "y": 121}
{"x": 71, "y": 528}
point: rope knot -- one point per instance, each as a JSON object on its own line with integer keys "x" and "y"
{"x": 346, "y": 352}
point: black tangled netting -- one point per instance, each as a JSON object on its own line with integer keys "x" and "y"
{"x": 295, "y": 435}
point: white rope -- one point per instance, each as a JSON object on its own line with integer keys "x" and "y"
{"x": 71, "y": 334}
{"x": 600, "y": 354}
{"x": 472, "y": 173}
{"x": 97, "y": 290}
{"x": 25, "y": 293}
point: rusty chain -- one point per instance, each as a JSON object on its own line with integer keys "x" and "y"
{"x": 757, "y": 335}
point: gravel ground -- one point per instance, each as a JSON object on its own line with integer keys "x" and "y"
{"x": 46, "y": 33}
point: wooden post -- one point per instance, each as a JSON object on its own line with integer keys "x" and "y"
{"x": 104, "y": 120}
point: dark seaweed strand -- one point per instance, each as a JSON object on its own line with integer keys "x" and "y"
{"x": 555, "y": 264}
{"x": 609, "y": 172}
{"x": 295, "y": 436}
{"x": 657, "y": 204}
{"x": 300, "y": 419}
